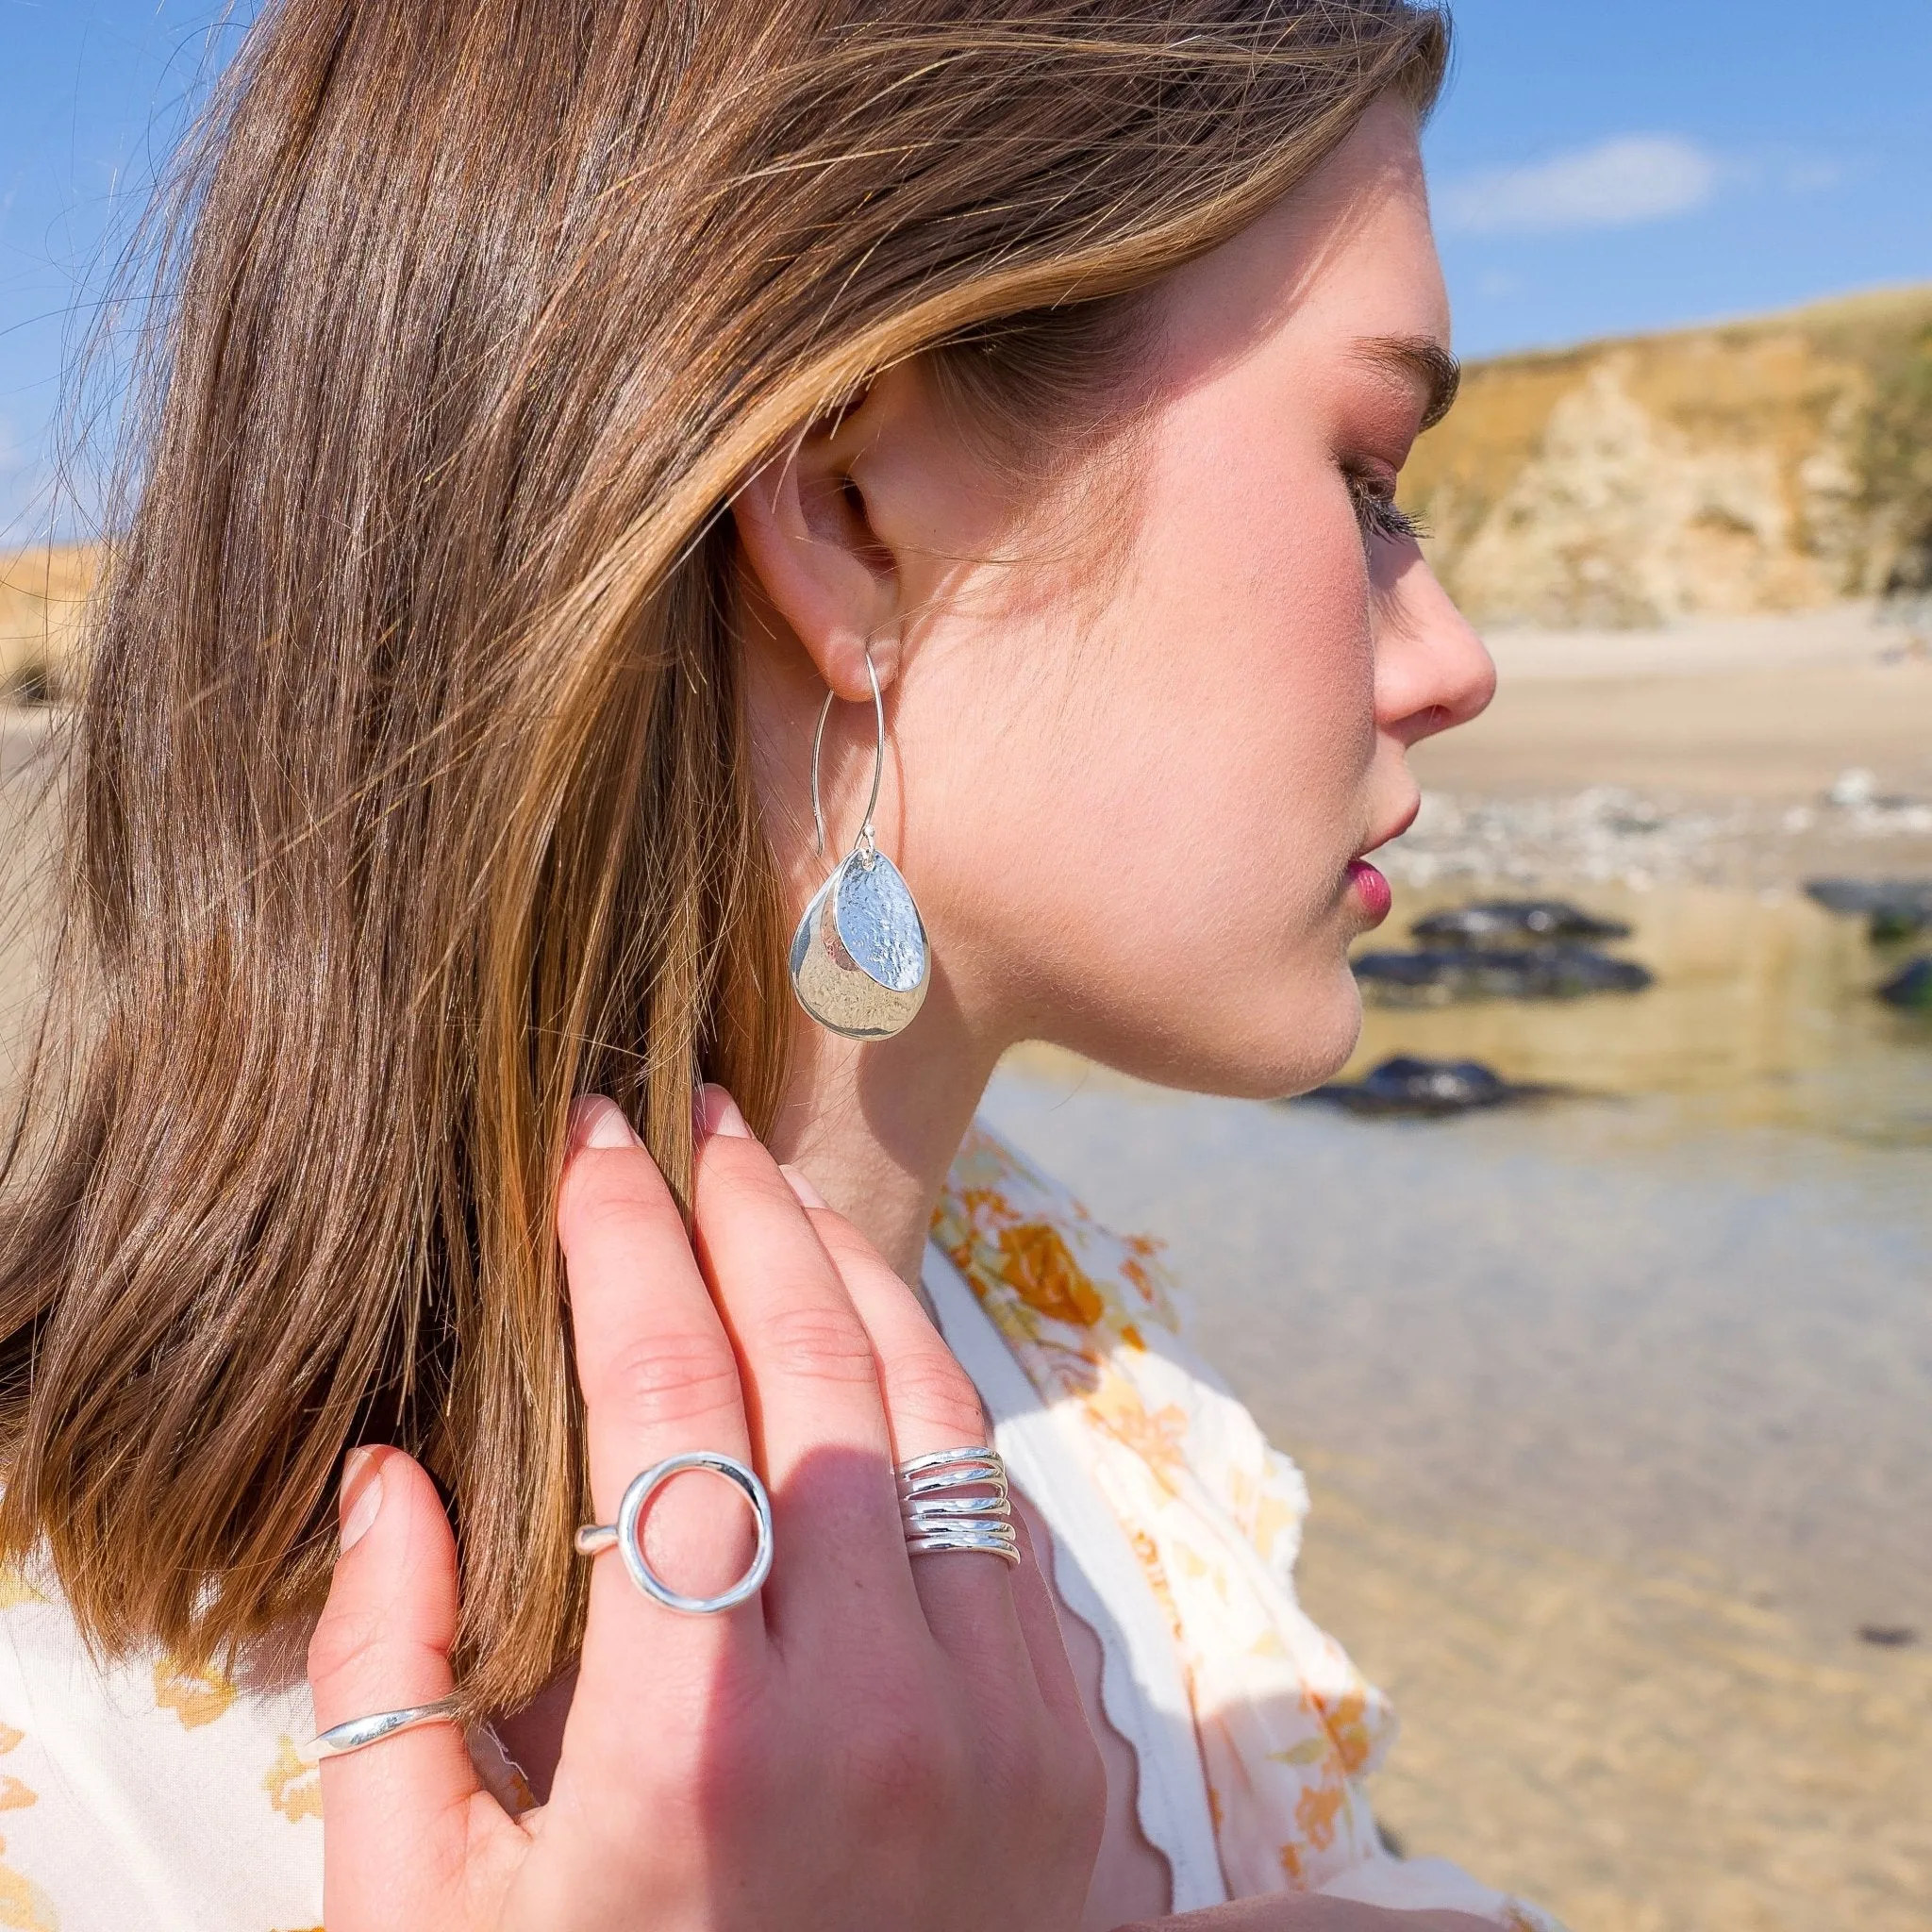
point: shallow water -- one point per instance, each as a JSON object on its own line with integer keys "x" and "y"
{"x": 1682, "y": 1319}
{"x": 1762, "y": 1015}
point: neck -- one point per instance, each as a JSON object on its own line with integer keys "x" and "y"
{"x": 876, "y": 1127}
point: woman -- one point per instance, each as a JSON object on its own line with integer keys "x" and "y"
{"x": 562, "y": 402}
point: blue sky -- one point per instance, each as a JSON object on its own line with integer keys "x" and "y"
{"x": 1608, "y": 165}
{"x": 1600, "y": 166}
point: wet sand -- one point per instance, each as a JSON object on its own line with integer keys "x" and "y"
{"x": 1645, "y": 1752}
{"x": 1767, "y": 709}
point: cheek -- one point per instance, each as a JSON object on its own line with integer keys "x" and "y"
{"x": 1250, "y": 602}
{"x": 1186, "y": 769}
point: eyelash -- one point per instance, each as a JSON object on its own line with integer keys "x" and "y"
{"x": 1378, "y": 514}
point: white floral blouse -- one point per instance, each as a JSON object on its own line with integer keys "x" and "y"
{"x": 143, "y": 1795}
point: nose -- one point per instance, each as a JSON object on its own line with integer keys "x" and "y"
{"x": 1432, "y": 671}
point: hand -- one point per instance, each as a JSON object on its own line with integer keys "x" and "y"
{"x": 874, "y": 1741}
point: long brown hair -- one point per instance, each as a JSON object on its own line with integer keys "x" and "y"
{"x": 408, "y": 793}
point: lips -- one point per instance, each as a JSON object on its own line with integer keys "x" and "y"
{"x": 1371, "y": 889}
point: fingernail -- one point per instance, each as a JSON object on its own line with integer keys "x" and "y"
{"x": 361, "y": 1495}
{"x": 721, "y": 1115}
{"x": 598, "y": 1121}
{"x": 808, "y": 1196}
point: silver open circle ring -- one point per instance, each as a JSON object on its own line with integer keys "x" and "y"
{"x": 622, "y": 1535}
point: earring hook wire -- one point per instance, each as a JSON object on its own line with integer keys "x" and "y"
{"x": 865, "y": 841}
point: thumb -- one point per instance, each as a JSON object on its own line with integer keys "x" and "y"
{"x": 396, "y": 1815}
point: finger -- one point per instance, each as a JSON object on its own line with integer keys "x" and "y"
{"x": 812, "y": 1382}
{"x": 1039, "y": 1619}
{"x": 401, "y": 1813}
{"x": 660, "y": 1378}
{"x": 931, "y": 1404}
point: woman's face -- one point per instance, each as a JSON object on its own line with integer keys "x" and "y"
{"x": 1132, "y": 814}
{"x": 1135, "y": 765}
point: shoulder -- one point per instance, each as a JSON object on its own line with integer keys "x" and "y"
{"x": 1285, "y": 1723}
{"x": 1097, "y": 1319}
{"x": 1019, "y": 1235}
{"x": 142, "y": 1791}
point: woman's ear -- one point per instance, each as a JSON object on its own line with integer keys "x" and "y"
{"x": 810, "y": 538}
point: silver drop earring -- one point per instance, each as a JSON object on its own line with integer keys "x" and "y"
{"x": 859, "y": 958}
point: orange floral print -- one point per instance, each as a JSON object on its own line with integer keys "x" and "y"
{"x": 1158, "y": 1437}
{"x": 196, "y": 1697}
{"x": 16, "y": 1589}
{"x": 1345, "y": 1718}
{"x": 293, "y": 1783}
{"x": 24, "y": 1907}
{"x": 13, "y": 1795}
{"x": 1037, "y": 1264}
{"x": 1314, "y": 1812}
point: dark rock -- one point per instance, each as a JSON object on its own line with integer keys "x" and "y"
{"x": 1405, "y": 1085}
{"x": 30, "y": 685}
{"x": 1912, "y": 988}
{"x": 1895, "y": 909}
{"x": 1867, "y": 898}
{"x": 1434, "y": 975}
{"x": 1890, "y": 924}
{"x": 1507, "y": 922}
{"x": 1888, "y": 1636}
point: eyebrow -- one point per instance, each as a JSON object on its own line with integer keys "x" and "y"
{"x": 1419, "y": 361}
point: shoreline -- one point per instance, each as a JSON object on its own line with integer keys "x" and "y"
{"x": 1712, "y": 752}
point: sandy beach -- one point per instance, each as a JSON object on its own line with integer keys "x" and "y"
{"x": 1648, "y": 1752}
{"x": 1729, "y": 733}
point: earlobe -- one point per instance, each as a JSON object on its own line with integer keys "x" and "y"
{"x": 807, "y": 534}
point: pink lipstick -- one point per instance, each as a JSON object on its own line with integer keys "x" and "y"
{"x": 1371, "y": 890}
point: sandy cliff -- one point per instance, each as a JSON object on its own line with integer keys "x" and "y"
{"x": 1711, "y": 471}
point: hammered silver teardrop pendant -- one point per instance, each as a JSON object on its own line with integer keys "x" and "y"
{"x": 860, "y": 960}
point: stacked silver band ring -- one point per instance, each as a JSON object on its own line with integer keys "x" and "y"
{"x": 957, "y": 1499}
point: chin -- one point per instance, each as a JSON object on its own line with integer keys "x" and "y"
{"x": 1314, "y": 1050}
{"x": 1300, "y": 1036}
